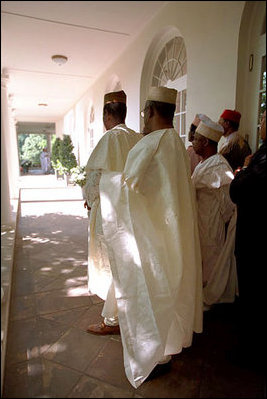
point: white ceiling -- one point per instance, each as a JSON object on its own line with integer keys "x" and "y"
{"x": 92, "y": 34}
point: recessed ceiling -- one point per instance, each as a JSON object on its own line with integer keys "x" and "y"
{"x": 86, "y": 32}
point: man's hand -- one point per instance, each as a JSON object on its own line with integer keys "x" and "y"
{"x": 86, "y": 206}
{"x": 247, "y": 160}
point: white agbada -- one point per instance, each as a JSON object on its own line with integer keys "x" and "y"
{"x": 109, "y": 154}
{"x": 217, "y": 222}
{"x": 150, "y": 225}
{"x": 45, "y": 161}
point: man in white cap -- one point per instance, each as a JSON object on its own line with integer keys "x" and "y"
{"x": 109, "y": 154}
{"x": 216, "y": 216}
{"x": 194, "y": 158}
{"x": 150, "y": 226}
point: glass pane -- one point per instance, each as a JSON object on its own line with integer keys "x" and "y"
{"x": 178, "y": 102}
{"x": 263, "y": 74}
{"x": 262, "y": 103}
{"x": 183, "y": 124}
{"x": 183, "y": 100}
{"x": 176, "y": 123}
{"x": 262, "y": 93}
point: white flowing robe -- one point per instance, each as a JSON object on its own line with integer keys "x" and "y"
{"x": 45, "y": 161}
{"x": 109, "y": 154}
{"x": 217, "y": 222}
{"x": 150, "y": 225}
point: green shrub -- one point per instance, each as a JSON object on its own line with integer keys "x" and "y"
{"x": 55, "y": 152}
{"x": 66, "y": 155}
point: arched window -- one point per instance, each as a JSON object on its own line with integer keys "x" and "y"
{"x": 170, "y": 70}
{"x": 171, "y": 63}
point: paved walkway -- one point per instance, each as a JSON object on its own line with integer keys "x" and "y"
{"x": 49, "y": 353}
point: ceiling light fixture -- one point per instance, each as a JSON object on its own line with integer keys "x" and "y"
{"x": 59, "y": 59}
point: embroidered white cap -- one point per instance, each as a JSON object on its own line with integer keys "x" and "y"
{"x": 162, "y": 94}
{"x": 200, "y": 118}
{"x": 211, "y": 130}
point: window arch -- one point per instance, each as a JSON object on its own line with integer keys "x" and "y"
{"x": 169, "y": 69}
{"x": 171, "y": 63}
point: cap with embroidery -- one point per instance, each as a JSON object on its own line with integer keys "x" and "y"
{"x": 162, "y": 94}
{"x": 231, "y": 115}
{"x": 211, "y": 130}
{"x": 200, "y": 118}
{"x": 115, "y": 97}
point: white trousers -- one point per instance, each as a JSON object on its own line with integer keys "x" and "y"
{"x": 110, "y": 309}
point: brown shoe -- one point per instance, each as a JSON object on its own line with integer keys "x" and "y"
{"x": 103, "y": 329}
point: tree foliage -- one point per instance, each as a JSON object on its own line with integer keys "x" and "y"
{"x": 66, "y": 155}
{"x": 21, "y": 140}
{"x": 32, "y": 148}
{"x": 63, "y": 159}
{"x": 55, "y": 152}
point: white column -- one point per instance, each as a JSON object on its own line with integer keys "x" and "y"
{"x": 10, "y": 137}
{"x": 13, "y": 153}
{"x": 6, "y": 211}
{"x": 59, "y": 128}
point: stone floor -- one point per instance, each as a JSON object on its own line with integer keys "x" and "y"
{"x": 50, "y": 355}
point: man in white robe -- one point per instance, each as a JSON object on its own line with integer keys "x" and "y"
{"x": 216, "y": 216}
{"x": 109, "y": 154}
{"x": 150, "y": 226}
{"x": 45, "y": 161}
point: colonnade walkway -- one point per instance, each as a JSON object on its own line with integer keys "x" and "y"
{"x": 50, "y": 354}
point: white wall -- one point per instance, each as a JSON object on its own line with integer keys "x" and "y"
{"x": 210, "y": 30}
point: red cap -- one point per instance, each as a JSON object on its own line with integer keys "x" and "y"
{"x": 230, "y": 115}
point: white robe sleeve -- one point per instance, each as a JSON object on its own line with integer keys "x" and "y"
{"x": 91, "y": 188}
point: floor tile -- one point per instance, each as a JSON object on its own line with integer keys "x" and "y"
{"x": 27, "y": 282}
{"x": 91, "y": 316}
{"x": 39, "y": 378}
{"x": 28, "y": 339}
{"x": 224, "y": 380}
{"x": 178, "y": 379}
{"x": 108, "y": 366}
{"x": 67, "y": 317}
{"x": 75, "y": 349}
{"x": 67, "y": 298}
{"x": 23, "y": 307}
{"x": 92, "y": 388}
